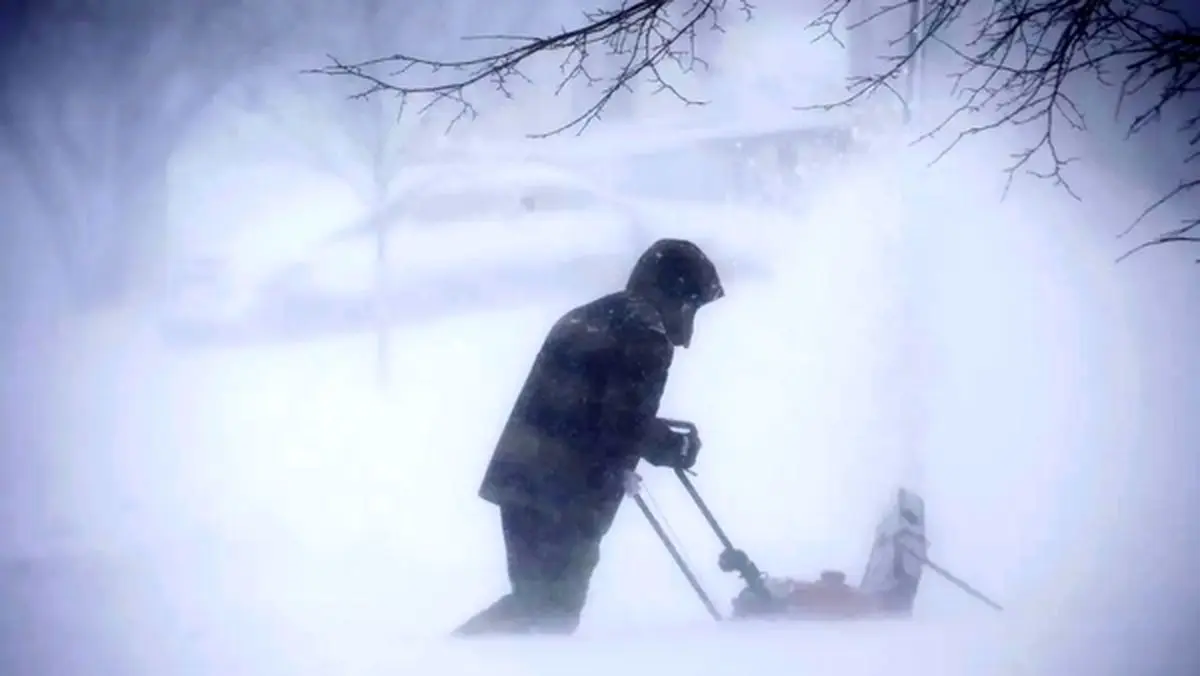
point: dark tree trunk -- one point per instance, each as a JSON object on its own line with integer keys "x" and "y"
{"x": 103, "y": 204}
{"x": 104, "y": 253}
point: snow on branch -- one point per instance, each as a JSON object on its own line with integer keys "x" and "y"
{"x": 633, "y": 42}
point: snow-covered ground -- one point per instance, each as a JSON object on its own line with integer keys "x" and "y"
{"x": 271, "y": 512}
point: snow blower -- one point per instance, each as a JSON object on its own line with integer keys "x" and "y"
{"x": 888, "y": 588}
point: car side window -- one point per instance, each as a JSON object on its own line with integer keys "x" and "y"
{"x": 558, "y": 198}
{"x": 450, "y": 207}
{"x": 491, "y": 203}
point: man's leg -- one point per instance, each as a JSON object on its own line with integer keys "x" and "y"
{"x": 557, "y": 573}
{"x": 510, "y": 614}
{"x": 551, "y": 560}
{"x": 550, "y": 565}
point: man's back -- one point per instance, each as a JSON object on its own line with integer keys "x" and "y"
{"x": 596, "y": 382}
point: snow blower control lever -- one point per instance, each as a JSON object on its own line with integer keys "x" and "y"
{"x": 731, "y": 559}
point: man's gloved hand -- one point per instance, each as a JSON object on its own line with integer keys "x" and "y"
{"x": 673, "y": 446}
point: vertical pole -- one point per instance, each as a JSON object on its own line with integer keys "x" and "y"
{"x": 382, "y": 318}
{"x": 912, "y": 84}
{"x": 380, "y": 183}
{"x": 378, "y": 124}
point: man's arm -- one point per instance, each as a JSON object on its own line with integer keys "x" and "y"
{"x": 637, "y": 378}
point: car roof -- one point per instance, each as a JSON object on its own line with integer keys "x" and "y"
{"x": 434, "y": 180}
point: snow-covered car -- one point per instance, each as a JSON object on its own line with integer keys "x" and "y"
{"x": 203, "y": 296}
{"x": 216, "y": 294}
{"x": 457, "y": 237}
{"x": 470, "y": 218}
{"x": 470, "y": 235}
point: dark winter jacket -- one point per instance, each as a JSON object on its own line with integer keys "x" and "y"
{"x": 591, "y": 397}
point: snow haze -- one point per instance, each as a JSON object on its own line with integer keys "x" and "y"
{"x": 272, "y": 509}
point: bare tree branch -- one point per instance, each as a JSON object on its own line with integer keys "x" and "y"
{"x": 1021, "y": 64}
{"x": 1183, "y": 233}
{"x": 638, "y": 37}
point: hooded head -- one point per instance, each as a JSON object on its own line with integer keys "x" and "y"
{"x": 677, "y": 278}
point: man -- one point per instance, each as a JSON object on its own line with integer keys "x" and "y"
{"x": 584, "y": 418}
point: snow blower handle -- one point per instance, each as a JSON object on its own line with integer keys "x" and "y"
{"x": 682, "y": 475}
{"x": 689, "y": 435}
{"x": 731, "y": 559}
{"x": 633, "y": 488}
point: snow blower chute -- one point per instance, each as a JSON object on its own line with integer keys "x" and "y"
{"x": 888, "y": 588}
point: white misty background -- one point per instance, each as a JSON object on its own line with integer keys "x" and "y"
{"x": 273, "y": 510}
